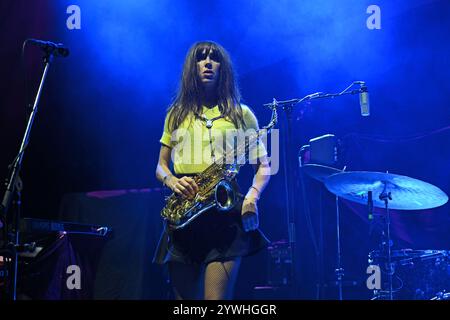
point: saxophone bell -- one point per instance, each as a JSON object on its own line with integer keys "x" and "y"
{"x": 224, "y": 195}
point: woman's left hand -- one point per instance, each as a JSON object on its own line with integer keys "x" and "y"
{"x": 249, "y": 214}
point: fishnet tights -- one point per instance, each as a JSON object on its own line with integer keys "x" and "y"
{"x": 216, "y": 280}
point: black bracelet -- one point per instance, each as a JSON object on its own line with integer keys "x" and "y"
{"x": 164, "y": 179}
{"x": 259, "y": 192}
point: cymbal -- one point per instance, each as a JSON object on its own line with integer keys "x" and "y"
{"x": 318, "y": 171}
{"x": 407, "y": 193}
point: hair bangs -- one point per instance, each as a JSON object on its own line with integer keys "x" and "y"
{"x": 204, "y": 49}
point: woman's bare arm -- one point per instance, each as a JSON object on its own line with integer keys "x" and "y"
{"x": 184, "y": 186}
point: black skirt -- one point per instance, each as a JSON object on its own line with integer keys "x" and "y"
{"x": 213, "y": 236}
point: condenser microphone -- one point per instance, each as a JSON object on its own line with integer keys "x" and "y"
{"x": 57, "y": 49}
{"x": 364, "y": 100}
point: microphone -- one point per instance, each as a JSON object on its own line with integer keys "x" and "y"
{"x": 57, "y": 49}
{"x": 364, "y": 100}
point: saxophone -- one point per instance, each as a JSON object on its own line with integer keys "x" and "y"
{"x": 216, "y": 188}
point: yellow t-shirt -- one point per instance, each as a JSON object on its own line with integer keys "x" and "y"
{"x": 192, "y": 142}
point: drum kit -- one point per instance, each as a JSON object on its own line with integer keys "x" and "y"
{"x": 382, "y": 190}
{"x": 389, "y": 191}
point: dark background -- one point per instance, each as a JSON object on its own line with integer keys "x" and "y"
{"x": 102, "y": 109}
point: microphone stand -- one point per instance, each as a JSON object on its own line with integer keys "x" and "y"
{"x": 319, "y": 95}
{"x": 14, "y": 186}
{"x": 287, "y": 106}
{"x": 287, "y": 141}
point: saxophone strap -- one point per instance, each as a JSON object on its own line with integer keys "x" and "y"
{"x": 209, "y": 125}
{"x": 209, "y": 122}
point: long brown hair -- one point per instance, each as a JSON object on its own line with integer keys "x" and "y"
{"x": 188, "y": 99}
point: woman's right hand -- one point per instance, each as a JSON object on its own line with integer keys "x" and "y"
{"x": 184, "y": 186}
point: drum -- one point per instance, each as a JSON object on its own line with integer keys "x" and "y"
{"x": 417, "y": 274}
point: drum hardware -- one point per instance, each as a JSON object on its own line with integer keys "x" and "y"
{"x": 442, "y": 296}
{"x": 339, "y": 271}
{"x": 419, "y": 274}
{"x": 388, "y": 191}
{"x": 317, "y": 160}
